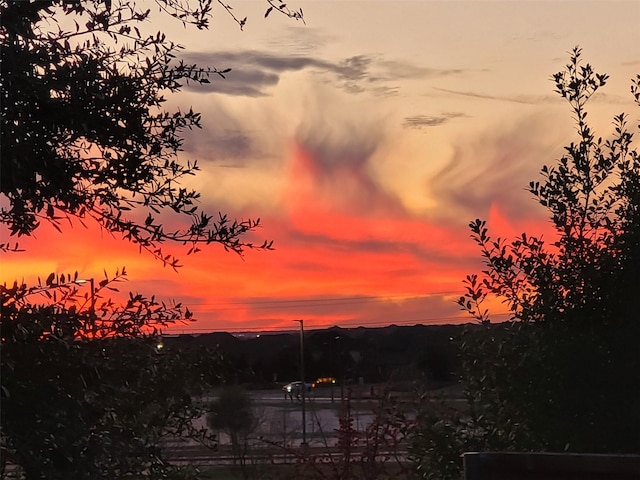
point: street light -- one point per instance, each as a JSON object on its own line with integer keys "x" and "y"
{"x": 92, "y": 306}
{"x": 304, "y": 386}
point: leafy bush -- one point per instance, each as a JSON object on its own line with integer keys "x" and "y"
{"x": 560, "y": 376}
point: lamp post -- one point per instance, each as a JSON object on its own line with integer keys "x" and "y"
{"x": 304, "y": 386}
{"x": 92, "y": 305}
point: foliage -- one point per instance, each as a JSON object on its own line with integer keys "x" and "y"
{"x": 84, "y": 134}
{"x": 87, "y": 393}
{"x": 68, "y": 315}
{"x": 561, "y": 375}
{"x": 374, "y": 452}
{"x": 232, "y": 412}
{"x": 439, "y": 435}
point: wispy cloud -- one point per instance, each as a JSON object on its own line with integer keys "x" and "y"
{"x": 495, "y": 166}
{"x": 525, "y": 99}
{"x": 227, "y": 144}
{"x": 226, "y": 136}
{"x": 300, "y": 40}
{"x": 254, "y": 72}
{"x": 421, "y": 121}
{"x": 401, "y": 69}
{"x": 334, "y": 151}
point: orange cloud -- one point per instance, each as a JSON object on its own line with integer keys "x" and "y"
{"x": 334, "y": 262}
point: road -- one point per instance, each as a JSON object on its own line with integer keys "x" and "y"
{"x": 280, "y": 418}
{"x": 277, "y": 437}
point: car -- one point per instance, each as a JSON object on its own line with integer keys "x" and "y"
{"x": 295, "y": 388}
{"x": 325, "y": 380}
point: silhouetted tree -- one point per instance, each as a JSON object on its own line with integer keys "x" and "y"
{"x": 89, "y": 393}
{"x": 84, "y": 134}
{"x": 85, "y": 392}
{"x": 232, "y": 412}
{"x": 377, "y": 451}
{"x": 559, "y": 376}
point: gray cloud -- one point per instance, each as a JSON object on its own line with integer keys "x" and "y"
{"x": 224, "y": 137}
{"x": 340, "y": 146}
{"x": 494, "y": 167}
{"x": 300, "y": 40}
{"x": 385, "y": 91}
{"x": 246, "y": 82}
{"x": 234, "y": 143}
{"x": 335, "y": 147}
{"x": 337, "y": 137}
{"x": 612, "y": 99}
{"x": 421, "y": 121}
{"x": 353, "y": 68}
{"x": 398, "y": 69}
{"x": 525, "y": 99}
{"x": 598, "y": 97}
{"x": 433, "y": 254}
{"x": 349, "y": 310}
{"x": 254, "y": 72}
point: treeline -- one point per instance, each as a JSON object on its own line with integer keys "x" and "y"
{"x": 419, "y": 353}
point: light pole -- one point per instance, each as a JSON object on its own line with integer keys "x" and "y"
{"x": 92, "y": 305}
{"x": 304, "y": 386}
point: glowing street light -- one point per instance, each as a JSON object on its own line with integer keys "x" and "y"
{"x": 92, "y": 307}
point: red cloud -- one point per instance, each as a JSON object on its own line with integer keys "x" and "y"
{"x": 333, "y": 264}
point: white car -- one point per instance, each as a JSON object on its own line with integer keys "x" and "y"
{"x": 295, "y": 388}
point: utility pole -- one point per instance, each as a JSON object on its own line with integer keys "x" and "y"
{"x": 304, "y": 386}
{"x": 92, "y": 305}
{"x": 93, "y": 297}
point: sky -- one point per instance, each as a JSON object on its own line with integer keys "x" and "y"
{"x": 365, "y": 140}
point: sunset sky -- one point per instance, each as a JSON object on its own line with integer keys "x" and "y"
{"x": 365, "y": 140}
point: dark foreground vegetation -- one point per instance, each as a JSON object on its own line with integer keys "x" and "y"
{"x": 557, "y": 379}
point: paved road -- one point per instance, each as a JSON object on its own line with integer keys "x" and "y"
{"x": 280, "y": 417}
{"x": 280, "y": 421}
